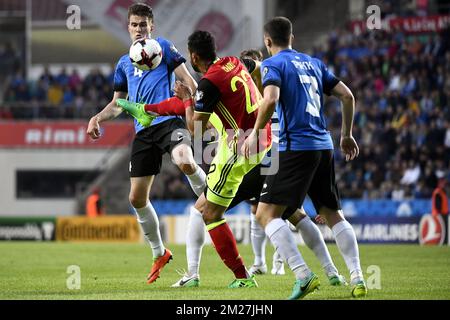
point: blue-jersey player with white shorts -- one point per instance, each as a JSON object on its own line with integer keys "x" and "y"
{"x": 164, "y": 134}
{"x": 295, "y": 84}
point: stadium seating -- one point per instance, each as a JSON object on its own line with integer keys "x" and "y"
{"x": 402, "y": 122}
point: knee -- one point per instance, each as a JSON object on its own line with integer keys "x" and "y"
{"x": 182, "y": 157}
{"x": 262, "y": 219}
{"x": 211, "y": 217}
{"x": 137, "y": 201}
{"x": 186, "y": 168}
{"x": 331, "y": 216}
{"x": 297, "y": 216}
{"x": 265, "y": 213}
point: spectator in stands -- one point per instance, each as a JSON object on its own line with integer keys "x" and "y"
{"x": 74, "y": 80}
{"x": 68, "y": 96}
{"x": 55, "y": 94}
{"x": 398, "y": 193}
{"x": 46, "y": 77}
{"x": 62, "y": 78}
{"x": 40, "y": 91}
{"x": 411, "y": 174}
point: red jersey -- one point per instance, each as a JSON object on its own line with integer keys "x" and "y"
{"x": 228, "y": 90}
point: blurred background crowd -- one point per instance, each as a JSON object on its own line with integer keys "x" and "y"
{"x": 401, "y": 84}
{"x": 402, "y": 122}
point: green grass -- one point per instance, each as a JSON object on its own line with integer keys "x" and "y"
{"x": 118, "y": 271}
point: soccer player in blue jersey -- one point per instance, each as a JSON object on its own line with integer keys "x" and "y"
{"x": 294, "y": 84}
{"x": 257, "y": 234}
{"x": 302, "y": 223}
{"x": 153, "y": 140}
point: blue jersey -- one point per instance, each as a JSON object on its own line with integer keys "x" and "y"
{"x": 302, "y": 81}
{"x": 275, "y": 127}
{"x": 151, "y": 86}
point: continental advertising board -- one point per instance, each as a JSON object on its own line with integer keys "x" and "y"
{"x": 100, "y": 229}
{"x": 114, "y": 228}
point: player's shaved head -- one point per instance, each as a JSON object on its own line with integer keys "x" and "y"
{"x": 203, "y": 44}
{"x": 141, "y": 10}
{"x": 279, "y": 29}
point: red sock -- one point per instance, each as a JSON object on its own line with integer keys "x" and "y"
{"x": 225, "y": 244}
{"x": 171, "y": 106}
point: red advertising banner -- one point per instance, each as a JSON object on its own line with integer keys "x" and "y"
{"x": 68, "y": 134}
{"x": 428, "y": 24}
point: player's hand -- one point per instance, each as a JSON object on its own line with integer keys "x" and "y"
{"x": 182, "y": 91}
{"x": 93, "y": 129}
{"x": 320, "y": 220}
{"x": 250, "y": 144}
{"x": 349, "y": 147}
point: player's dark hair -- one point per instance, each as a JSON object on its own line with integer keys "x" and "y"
{"x": 279, "y": 29}
{"x": 252, "y": 54}
{"x": 141, "y": 10}
{"x": 203, "y": 44}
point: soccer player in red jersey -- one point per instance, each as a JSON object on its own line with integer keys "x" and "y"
{"x": 227, "y": 90}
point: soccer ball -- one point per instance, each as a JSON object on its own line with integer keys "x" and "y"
{"x": 146, "y": 54}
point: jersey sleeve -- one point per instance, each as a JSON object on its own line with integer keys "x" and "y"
{"x": 329, "y": 80}
{"x": 120, "y": 78}
{"x": 171, "y": 54}
{"x": 206, "y": 97}
{"x": 270, "y": 74}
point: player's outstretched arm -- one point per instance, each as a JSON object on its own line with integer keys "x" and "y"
{"x": 111, "y": 111}
{"x": 183, "y": 75}
{"x": 267, "y": 106}
{"x": 183, "y": 92}
{"x": 348, "y": 144}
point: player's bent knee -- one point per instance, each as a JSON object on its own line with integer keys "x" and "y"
{"x": 137, "y": 202}
{"x": 211, "y": 217}
{"x": 332, "y": 216}
{"x": 266, "y": 212}
{"x": 182, "y": 155}
{"x": 262, "y": 219}
{"x": 200, "y": 204}
{"x": 327, "y": 212}
{"x": 212, "y": 213}
{"x": 297, "y": 216}
{"x": 187, "y": 168}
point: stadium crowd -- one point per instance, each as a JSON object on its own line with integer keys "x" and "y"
{"x": 53, "y": 96}
{"x": 401, "y": 84}
{"x": 402, "y": 121}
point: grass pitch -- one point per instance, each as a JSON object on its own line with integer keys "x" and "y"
{"x": 31, "y": 270}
